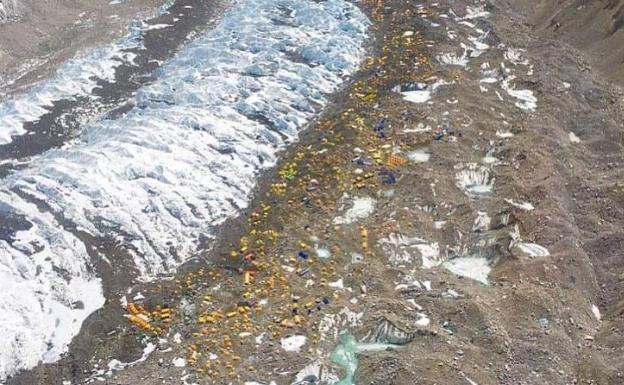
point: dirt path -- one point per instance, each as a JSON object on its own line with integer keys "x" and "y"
{"x": 460, "y": 201}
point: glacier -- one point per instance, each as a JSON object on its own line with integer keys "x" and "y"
{"x": 166, "y": 173}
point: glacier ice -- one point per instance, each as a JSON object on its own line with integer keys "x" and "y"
{"x": 178, "y": 164}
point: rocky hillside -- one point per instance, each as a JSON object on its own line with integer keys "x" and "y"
{"x": 595, "y": 27}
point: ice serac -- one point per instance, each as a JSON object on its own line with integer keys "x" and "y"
{"x": 47, "y": 288}
{"x": 181, "y": 162}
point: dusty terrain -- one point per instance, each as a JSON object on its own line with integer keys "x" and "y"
{"x": 594, "y": 27}
{"x": 507, "y": 156}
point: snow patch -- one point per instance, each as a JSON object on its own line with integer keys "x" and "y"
{"x": 430, "y": 255}
{"x": 339, "y": 284}
{"x": 526, "y": 99}
{"x": 453, "y": 59}
{"x": 533, "y": 249}
{"x": 179, "y": 362}
{"x": 403, "y": 250}
{"x": 421, "y": 92}
{"x": 361, "y": 207}
{"x": 573, "y": 138}
{"x": 596, "y": 312}
{"x": 322, "y": 252}
{"x": 423, "y": 320}
{"x": 116, "y": 365}
{"x": 419, "y": 156}
{"x": 470, "y": 267}
{"x": 526, "y": 206}
{"x": 482, "y": 222}
{"x": 504, "y": 134}
{"x": 293, "y": 343}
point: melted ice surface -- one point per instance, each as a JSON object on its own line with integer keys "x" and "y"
{"x": 181, "y": 162}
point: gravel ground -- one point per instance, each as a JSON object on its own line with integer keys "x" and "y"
{"x": 467, "y": 144}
